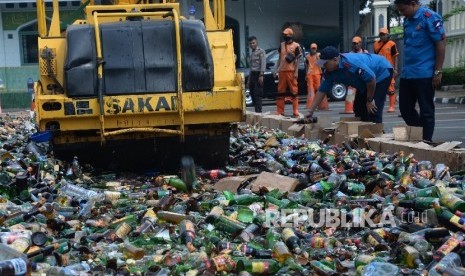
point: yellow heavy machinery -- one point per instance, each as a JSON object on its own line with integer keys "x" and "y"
{"x": 135, "y": 81}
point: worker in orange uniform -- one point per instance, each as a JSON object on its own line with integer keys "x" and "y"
{"x": 314, "y": 77}
{"x": 357, "y": 45}
{"x": 288, "y": 69}
{"x": 388, "y": 49}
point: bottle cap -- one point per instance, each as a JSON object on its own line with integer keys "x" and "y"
{"x": 39, "y": 238}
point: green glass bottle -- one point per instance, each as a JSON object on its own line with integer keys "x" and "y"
{"x": 321, "y": 269}
{"x": 451, "y": 201}
{"x": 281, "y": 203}
{"x": 130, "y": 219}
{"x": 228, "y": 225}
{"x": 418, "y": 203}
{"x": 352, "y": 188}
{"x": 177, "y": 183}
{"x": 427, "y": 192}
{"x": 271, "y": 237}
{"x": 445, "y": 215}
{"x": 245, "y": 199}
{"x": 257, "y": 266}
{"x": 291, "y": 240}
{"x": 411, "y": 257}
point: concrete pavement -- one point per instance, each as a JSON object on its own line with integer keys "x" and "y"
{"x": 452, "y": 94}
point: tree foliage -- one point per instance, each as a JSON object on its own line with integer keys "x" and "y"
{"x": 453, "y": 12}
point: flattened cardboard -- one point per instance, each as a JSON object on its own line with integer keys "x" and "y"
{"x": 372, "y": 130}
{"x": 447, "y": 145}
{"x": 232, "y": 183}
{"x": 274, "y": 181}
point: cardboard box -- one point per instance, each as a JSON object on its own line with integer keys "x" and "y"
{"x": 349, "y": 119}
{"x": 324, "y": 132}
{"x": 275, "y": 121}
{"x": 250, "y": 117}
{"x": 257, "y": 118}
{"x": 407, "y": 133}
{"x": 353, "y": 128}
{"x": 454, "y": 159}
{"x": 286, "y": 123}
{"x": 296, "y": 130}
{"x": 274, "y": 181}
{"x": 310, "y": 132}
{"x": 339, "y": 138}
{"x": 324, "y": 121}
{"x": 266, "y": 120}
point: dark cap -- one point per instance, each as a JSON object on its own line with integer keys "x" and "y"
{"x": 327, "y": 54}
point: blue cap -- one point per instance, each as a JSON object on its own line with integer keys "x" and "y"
{"x": 328, "y": 53}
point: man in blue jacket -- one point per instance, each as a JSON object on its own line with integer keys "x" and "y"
{"x": 424, "y": 52}
{"x": 370, "y": 74}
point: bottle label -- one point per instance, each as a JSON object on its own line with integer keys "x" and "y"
{"x": 223, "y": 263}
{"x": 287, "y": 234}
{"x": 260, "y": 267}
{"x": 21, "y": 244}
{"x": 455, "y": 220}
{"x": 317, "y": 242}
{"x": 123, "y": 230}
{"x": 448, "y": 246}
{"x": 19, "y": 265}
{"x": 372, "y": 240}
{"x": 111, "y": 196}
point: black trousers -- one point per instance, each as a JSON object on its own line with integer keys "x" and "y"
{"x": 360, "y": 102}
{"x": 412, "y": 91}
{"x": 256, "y": 91}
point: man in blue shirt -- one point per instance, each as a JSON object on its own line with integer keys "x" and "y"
{"x": 424, "y": 52}
{"x": 370, "y": 74}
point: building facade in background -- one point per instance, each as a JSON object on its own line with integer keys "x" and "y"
{"x": 330, "y": 22}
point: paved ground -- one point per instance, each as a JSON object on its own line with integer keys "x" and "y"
{"x": 450, "y": 115}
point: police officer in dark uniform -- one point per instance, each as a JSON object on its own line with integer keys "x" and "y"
{"x": 424, "y": 53}
{"x": 257, "y": 61}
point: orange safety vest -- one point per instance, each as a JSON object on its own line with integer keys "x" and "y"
{"x": 285, "y": 50}
{"x": 313, "y": 68}
{"x": 385, "y": 50}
